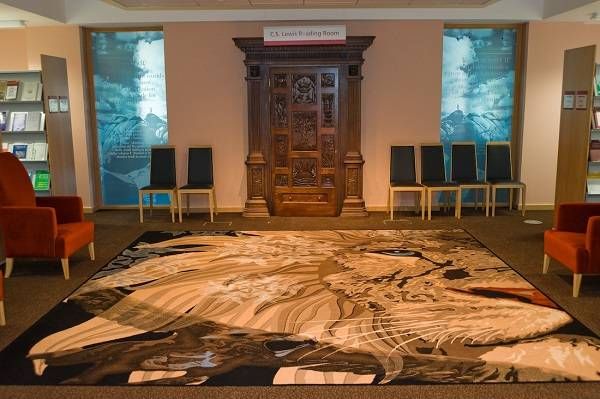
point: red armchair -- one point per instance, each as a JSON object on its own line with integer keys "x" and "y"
{"x": 575, "y": 241}
{"x": 43, "y": 227}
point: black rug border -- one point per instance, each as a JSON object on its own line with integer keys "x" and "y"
{"x": 360, "y": 386}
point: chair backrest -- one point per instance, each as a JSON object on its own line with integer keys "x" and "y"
{"x": 498, "y": 161}
{"x": 162, "y": 166}
{"x": 402, "y": 164}
{"x": 464, "y": 162}
{"x": 15, "y": 187}
{"x": 432, "y": 162}
{"x": 200, "y": 167}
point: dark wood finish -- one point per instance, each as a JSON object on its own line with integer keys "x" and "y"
{"x": 304, "y": 135}
{"x": 574, "y": 136}
{"x": 304, "y": 144}
{"x": 58, "y": 127}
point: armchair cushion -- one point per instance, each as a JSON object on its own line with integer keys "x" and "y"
{"x": 72, "y": 236}
{"x": 67, "y": 209}
{"x": 568, "y": 248}
{"x": 28, "y": 231}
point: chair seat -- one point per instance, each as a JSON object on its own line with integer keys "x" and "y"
{"x": 568, "y": 248}
{"x": 207, "y": 186}
{"x": 506, "y": 182}
{"x": 440, "y": 184}
{"x": 151, "y": 187}
{"x": 72, "y": 236}
{"x": 405, "y": 184}
{"x": 472, "y": 183}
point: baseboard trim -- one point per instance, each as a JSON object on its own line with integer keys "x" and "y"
{"x": 231, "y": 209}
{"x": 530, "y": 207}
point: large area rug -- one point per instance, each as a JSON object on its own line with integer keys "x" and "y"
{"x": 304, "y": 307}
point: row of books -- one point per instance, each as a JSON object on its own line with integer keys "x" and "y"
{"x": 40, "y": 179}
{"x": 28, "y": 151}
{"x": 22, "y": 121}
{"x": 15, "y": 90}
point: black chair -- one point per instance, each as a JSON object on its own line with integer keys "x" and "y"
{"x": 464, "y": 172}
{"x": 200, "y": 179}
{"x": 403, "y": 177}
{"x": 433, "y": 176}
{"x": 498, "y": 173}
{"x": 163, "y": 178}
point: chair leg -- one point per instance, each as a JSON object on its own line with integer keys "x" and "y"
{"x": 458, "y": 203}
{"x": 151, "y": 203}
{"x": 141, "y": 205}
{"x": 428, "y": 204}
{"x": 214, "y": 194}
{"x": 391, "y": 204}
{"x": 65, "y": 266}
{"x": 179, "y": 206}
{"x": 9, "y": 267}
{"x": 211, "y": 206}
{"x": 576, "y": 284}
{"x": 171, "y": 205}
{"x": 187, "y": 203}
{"x": 510, "y": 199}
{"x": 523, "y": 196}
{"x": 422, "y": 199}
{"x": 92, "y": 251}
{"x": 487, "y": 201}
{"x": 2, "y": 315}
{"x": 546, "y": 264}
{"x": 493, "y": 201}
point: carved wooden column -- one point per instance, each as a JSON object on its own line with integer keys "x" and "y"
{"x": 354, "y": 204}
{"x": 256, "y": 203}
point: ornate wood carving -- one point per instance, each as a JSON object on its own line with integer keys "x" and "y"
{"x": 328, "y": 180}
{"x": 281, "y": 180}
{"x": 280, "y": 114}
{"x": 327, "y": 80}
{"x": 328, "y": 151}
{"x": 281, "y": 150}
{"x": 304, "y": 172}
{"x": 304, "y": 90}
{"x": 328, "y": 113}
{"x": 280, "y": 80}
{"x": 330, "y": 69}
{"x": 352, "y": 182}
{"x": 304, "y": 131}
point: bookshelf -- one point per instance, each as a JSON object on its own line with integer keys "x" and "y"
{"x": 23, "y": 124}
{"x": 578, "y": 168}
{"x": 41, "y": 139}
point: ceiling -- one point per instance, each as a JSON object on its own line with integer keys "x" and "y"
{"x": 156, "y": 12}
{"x": 275, "y": 4}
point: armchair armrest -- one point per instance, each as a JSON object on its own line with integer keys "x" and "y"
{"x": 28, "y": 231}
{"x": 574, "y": 216}
{"x": 69, "y": 209}
{"x": 592, "y": 242}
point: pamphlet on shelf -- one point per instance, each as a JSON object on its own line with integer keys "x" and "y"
{"x": 18, "y": 121}
{"x": 33, "y": 120}
{"x": 29, "y": 92}
{"x": 3, "y": 85}
{"x": 41, "y": 180}
{"x": 19, "y": 150}
{"x": 3, "y": 120}
{"x": 40, "y": 151}
{"x": 12, "y": 89}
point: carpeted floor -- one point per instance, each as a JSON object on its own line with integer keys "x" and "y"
{"x": 37, "y": 287}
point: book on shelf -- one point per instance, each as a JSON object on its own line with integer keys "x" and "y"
{"x": 28, "y": 151}
{"x": 32, "y": 123}
{"x": 30, "y": 91}
{"x": 41, "y": 180}
{"x": 12, "y": 90}
{"x": 17, "y": 121}
{"x": 39, "y": 152}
